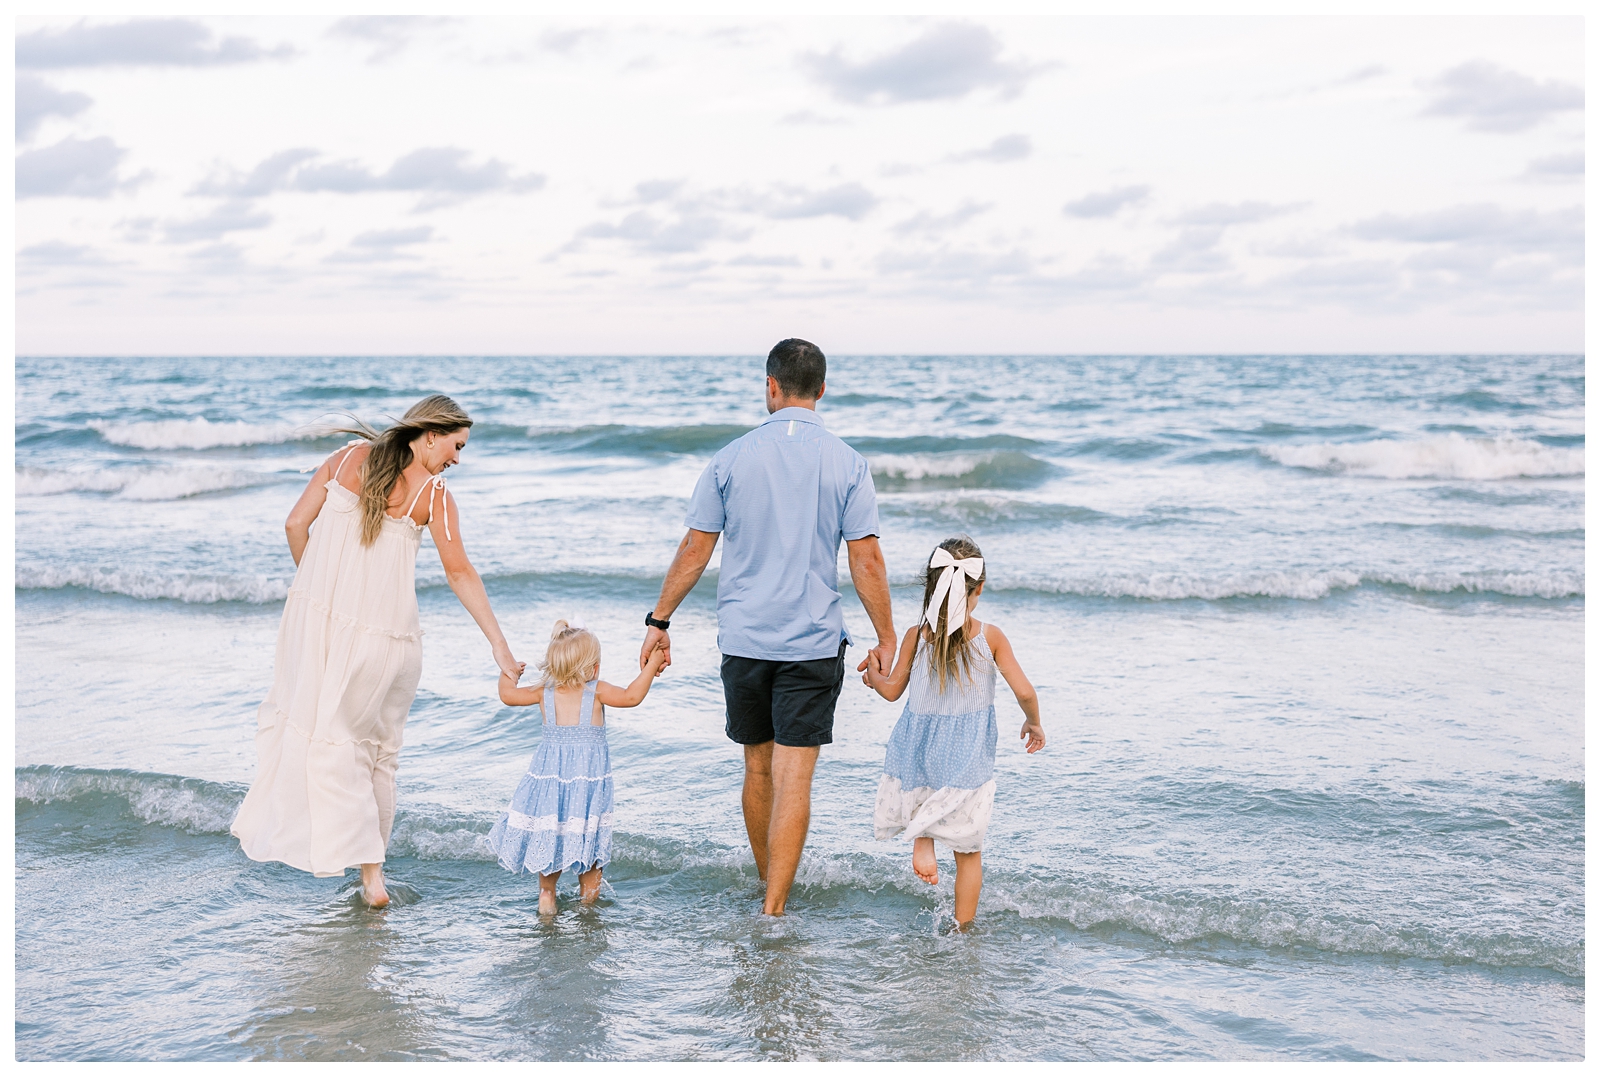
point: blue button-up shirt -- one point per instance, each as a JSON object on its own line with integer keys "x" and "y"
{"x": 783, "y": 496}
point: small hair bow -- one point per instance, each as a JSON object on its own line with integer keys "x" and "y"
{"x": 956, "y": 602}
{"x": 576, "y": 622}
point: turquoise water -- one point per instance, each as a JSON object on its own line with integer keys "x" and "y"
{"x": 1307, "y": 633}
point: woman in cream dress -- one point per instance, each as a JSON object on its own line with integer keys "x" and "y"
{"x": 350, "y": 648}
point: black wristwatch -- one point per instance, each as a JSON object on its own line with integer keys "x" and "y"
{"x": 650, "y": 621}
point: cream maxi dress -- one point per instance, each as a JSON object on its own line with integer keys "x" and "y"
{"x": 329, "y": 732}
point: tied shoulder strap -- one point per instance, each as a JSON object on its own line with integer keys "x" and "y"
{"x": 433, "y": 486}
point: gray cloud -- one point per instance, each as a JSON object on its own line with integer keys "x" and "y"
{"x": 442, "y": 174}
{"x": 1488, "y": 226}
{"x": 388, "y": 34}
{"x": 1492, "y": 98}
{"x": 138, "y": 42}
{"x": 947, "y": 61}
{"x": 849, "y": 200}
{"x": 234, "y": 216}
{"x": 925, "y": 222}
{"x": 1561, "y": 166}
{"x": 1004, "y": 149}
{"x": 807, "y": 118}
{"x": 37, "y": 99}
{"x": 771, "y": 261}
{"x": 565, "y": 42}
{"x": 653, "y": 234}
{"x": 1223, "y": 214}
{"x": 1193, "y": 251}
{"x": 384, "y": 245}
{"x": 56, "y": 253}
{"x": 1106, "y": 203}
{"x": 72, "y": 168}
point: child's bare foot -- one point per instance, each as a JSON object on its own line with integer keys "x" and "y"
{"x": 589, "y": 886}
{"x": 547, "y": 903}
{"x": 924, "y": 862}
{"x": 372, "y": 888}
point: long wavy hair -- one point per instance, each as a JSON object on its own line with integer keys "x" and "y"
{"x": 391, "y": 454}
{"x": 950, "y": 653}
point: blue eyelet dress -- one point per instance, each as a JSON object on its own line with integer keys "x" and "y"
{"x": 938, "y": 770}
{"x": 560, "y": 814}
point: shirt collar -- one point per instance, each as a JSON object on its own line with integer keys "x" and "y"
{"x": 785, "y": 415}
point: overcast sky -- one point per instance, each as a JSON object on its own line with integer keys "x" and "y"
{"x": 708, "y": 178}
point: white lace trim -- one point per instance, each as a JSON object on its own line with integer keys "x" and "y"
{"x": 572, "y": 828}
{"x": 568, "y": 781}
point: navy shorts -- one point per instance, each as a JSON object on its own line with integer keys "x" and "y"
{"x": 788, "y": 702}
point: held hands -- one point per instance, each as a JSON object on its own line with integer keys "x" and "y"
{"x": 878, "y": 662}
{"x": 509, "y": 666}
{"x": 1033, "y": 733}
{"x": 656, "y": 639}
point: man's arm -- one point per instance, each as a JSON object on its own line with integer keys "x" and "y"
{"x": 688, "y": 565}
{"x": 871, "y": 579}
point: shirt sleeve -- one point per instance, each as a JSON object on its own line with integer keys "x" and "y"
{"x": 706, "y": 509}
{"x": 860, "y": 504}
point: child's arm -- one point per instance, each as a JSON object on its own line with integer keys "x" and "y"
{"x": 1027, "y": 698}
{"x": 893, "y": 686}
{"x": 609, "y": 695}
{"x": 512, "y": 696}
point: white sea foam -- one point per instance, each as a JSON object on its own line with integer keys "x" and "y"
{"x": 1307, "y": 586}
{"x": 183, "y": 587}
{"x": 199, "y": 433}
{"x": 191, "y": 804}
{"x": 911, "y": 467}
{"x": 144, "y": 484}
{"x": 1450, "y": 456}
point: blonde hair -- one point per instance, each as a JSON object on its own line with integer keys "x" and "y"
{"x": 391, "y": 454}
{"x": 572, "y": 653}
{"x": 950, "y": 653}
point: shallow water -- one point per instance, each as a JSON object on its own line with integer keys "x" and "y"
{"x": 1307, "y": 633}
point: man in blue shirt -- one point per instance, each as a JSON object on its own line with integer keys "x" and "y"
{"x": 784, "y": 495}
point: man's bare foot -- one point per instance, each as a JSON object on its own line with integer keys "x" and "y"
{"x": 372, "y": 888}
{"x": 547, "y": 903}
{"x": 924, "y": 862}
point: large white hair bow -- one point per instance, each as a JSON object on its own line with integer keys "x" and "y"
{"x": 952, "y": 585}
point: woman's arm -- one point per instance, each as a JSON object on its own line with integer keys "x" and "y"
{"x": 512, "y": 696}
{"x": 893, "y": 686}
{"x": 298, "y": 525}
{"x": 445, "y": 526}
{"x": 1027, "y": 698}
{"x": 610, "y": 695}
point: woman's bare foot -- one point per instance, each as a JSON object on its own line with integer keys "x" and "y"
{"x": 372, "y": 888}
{"x": 924, "y": 862}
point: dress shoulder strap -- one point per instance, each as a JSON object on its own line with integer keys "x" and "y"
{"x": 433, "y": 486}
{"x": 547, "y": 713}
{"x": 586, "y": 708}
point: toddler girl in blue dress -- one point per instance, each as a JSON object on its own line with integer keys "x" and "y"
{"x": 938, "y": 772}
{"x": 560, "y": 814}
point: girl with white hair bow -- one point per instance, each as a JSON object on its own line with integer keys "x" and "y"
{"x": 938, "y": 771}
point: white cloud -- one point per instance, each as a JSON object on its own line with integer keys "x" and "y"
{"x": 946, "y": 61}
{"x": 443, "y": 174}
{"x": 389, "y": 35}
{"x": 73, "y": 168}
{"x": 1560, "y": 166}
{"x": 1493, "y": 98}
{"x": 1106, "y": 203}
{"x": 1223, "y": 214}
{"x": 1003, "y": 150}
{"x": 234, "y": 216}
{"x": 37, "y": 100}
{"x": 138, "y": 42}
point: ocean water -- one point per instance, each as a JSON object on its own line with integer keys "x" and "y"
{"x": 1307, "y": 633}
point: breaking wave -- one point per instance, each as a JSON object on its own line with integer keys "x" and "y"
{"x": 162, "y": 484}
{"x": 1304, "y": 586}
{"x": 201, "y": 433}
{"x": 1449, "y": 456}
{"x": 999, "y": 469}
{"x": 184, "y": 587}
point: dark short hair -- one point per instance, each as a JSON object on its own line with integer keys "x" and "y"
{"x": 799, "y": 368}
